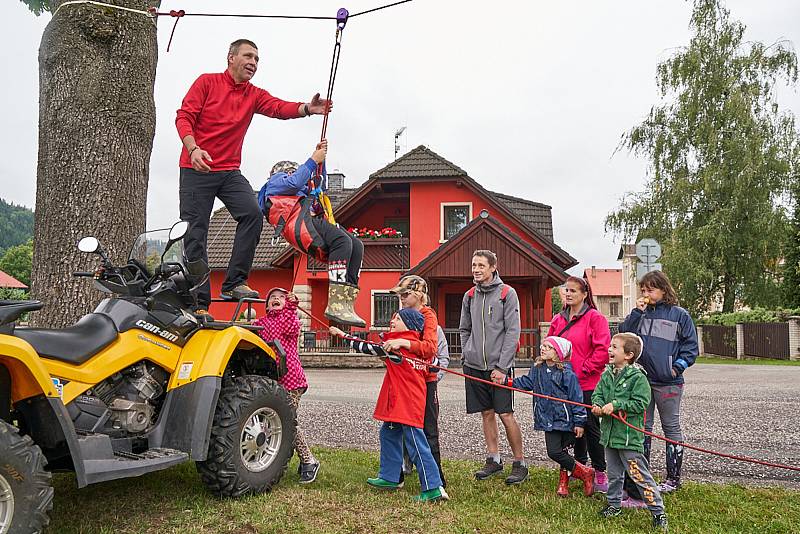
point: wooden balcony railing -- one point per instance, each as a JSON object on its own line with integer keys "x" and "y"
{"x": 386, "y": 254}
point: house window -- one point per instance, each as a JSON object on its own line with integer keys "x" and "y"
{"x": 401, "y": 224}
{"x": 384, "y": 305}
{"x": 454, "y": 218}
{"x": 613, "y": 310}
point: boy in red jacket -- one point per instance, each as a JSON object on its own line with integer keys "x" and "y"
{"x": 401, "y": 406}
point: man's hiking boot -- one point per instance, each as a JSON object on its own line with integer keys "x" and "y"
{"x": 242, "y": 291}
{"x": 660, "y": 523}
{"x": 519, "y": 474}
{"x": 489, "y": 469}
{"x": 384, "y": 484}
{"x": 203, "y": 315}
{"x": 610, "y": 511}
{"x": 308, "y": 472}
{"x": 433, "y": 495}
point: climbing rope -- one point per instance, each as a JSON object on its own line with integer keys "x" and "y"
{"x": 621, "y": 416}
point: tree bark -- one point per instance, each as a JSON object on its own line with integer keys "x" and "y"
{"x": 97, "y": 69}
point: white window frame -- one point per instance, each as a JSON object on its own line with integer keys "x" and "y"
{"x": 372, "y": 294}
{"x": 442, "y": 207}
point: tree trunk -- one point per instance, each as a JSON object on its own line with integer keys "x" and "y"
{"x": 97, "y": 69}
{"x": 728, "y": 293}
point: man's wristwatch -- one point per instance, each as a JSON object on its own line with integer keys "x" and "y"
{"x": 305, "y": 110}
{"x": 195, "y": 147}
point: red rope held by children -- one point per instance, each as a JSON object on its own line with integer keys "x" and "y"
{"x": 622, "y": 417}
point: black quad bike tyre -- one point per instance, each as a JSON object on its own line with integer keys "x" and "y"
{"x": 224, "y": 472}
{"x": 25, "y": 483}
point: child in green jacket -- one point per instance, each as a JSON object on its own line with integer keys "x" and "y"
{"x": 623, "y": 387}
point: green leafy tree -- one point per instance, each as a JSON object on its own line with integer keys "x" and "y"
{"x": 791, "y": 266}
{"x": 16, "y": 225}
{"x": 555, "y": 297}
{"x": 721, "y": 153}
{"x": 97, "y": 69}
{"x": 17, "y": 262}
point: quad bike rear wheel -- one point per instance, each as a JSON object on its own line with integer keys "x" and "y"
{"x": 26, "y": 495}
{"x": 251, "y": 438}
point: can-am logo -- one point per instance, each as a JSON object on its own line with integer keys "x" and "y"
{"x": 169, "y": 336}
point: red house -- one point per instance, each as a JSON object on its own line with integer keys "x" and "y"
{"x": 443, "y": 215}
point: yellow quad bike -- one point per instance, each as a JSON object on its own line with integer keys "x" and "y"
{"x": 139, "y": 385}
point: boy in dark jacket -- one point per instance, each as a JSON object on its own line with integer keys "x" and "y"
{"x": 401, "y": 406}
{"x": 552, "y": 375}
{"x": 623, "y": 388}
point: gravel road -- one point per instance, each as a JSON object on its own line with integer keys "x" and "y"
{"x": 737, "y": 409}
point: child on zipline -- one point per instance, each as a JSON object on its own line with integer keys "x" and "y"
{"x": 290, "y": 201}
{"x": 280, "y": 322}
{"x": 561, "y": 422}
{"x": 401, "y": 407}
{"x": 623, "y": 389}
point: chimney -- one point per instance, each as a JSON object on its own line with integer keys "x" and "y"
{"x": 594, "y": 272}
{"x": 335, "y": 180}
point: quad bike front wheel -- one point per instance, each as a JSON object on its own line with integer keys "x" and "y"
{"x": 251, "y": 438}
{"x": 26, "y": 495}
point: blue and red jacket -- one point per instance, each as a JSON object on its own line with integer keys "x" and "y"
{"x": 670, "y": 341}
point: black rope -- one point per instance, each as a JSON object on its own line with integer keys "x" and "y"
{"x": 255, "y": 16}
{"x": 379, "y": 8}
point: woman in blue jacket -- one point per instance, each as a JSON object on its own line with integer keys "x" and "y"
{"x": 561, "y": 422}
{"x": 670, "y": 347}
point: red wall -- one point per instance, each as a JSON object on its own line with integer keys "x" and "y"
{"x": 261, "y": 281}
{"x": 425, "y": 216}
{"x": 373, "y": 218}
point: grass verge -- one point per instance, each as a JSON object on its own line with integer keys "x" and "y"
{"x": 175, "y": 502}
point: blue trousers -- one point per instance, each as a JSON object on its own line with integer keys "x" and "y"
{"x": 393, "y": 436}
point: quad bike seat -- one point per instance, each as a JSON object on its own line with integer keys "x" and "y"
{"x": 75, "y": 344}
{"x": 11, "y": 310}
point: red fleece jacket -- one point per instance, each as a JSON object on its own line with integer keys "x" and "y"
{"x": 403, "y": 392}
{"x": 217, "y": 112}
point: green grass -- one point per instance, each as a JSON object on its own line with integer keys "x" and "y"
{"x": 748, "y": 361}
{"x": 174, "y": 501}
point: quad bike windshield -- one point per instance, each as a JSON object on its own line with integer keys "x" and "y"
{"x": 150, "y": 247}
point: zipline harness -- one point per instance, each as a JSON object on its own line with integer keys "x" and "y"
{"x": 621, "y": 416}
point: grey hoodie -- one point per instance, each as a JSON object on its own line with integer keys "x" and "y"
{"x": 489, "y": 327}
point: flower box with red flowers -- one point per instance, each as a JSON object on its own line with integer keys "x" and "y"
{"x": 383, "y": 233}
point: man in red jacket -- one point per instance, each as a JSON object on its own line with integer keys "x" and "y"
{"x": 212, "y": 123}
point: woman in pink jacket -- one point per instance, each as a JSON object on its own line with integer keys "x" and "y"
{"x": 587, "y": 329}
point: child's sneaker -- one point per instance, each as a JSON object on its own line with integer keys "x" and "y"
{"x": 669, "y": 486}
{"x": 436, "y": 494}
{"x": 384, "y": 484}
{"x": 660, "y": 523}
{"x": 630, "y": 502}
{"x": 610, "y": 511}
{"x": 489, "y": 469}
{"x": 600, "y": 482}
{"x": 519, "y": 474}
{"x": 308, "y": 472}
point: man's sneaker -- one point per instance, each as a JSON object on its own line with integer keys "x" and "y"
{"x": 610, "y": 511}
{"x": 635, "y": 504}
{"x": 203, "y": 315}
{"x": 669, "y": 485}
{"x": 519, "y": 473}
{"x": 489, "y": 469}
{"x": 660, "y": 523}
{"x": 436, "y": 494}
{"x": 384, "y": 484}
{"x": 600, "y": 482}
{"x": 308, "y": 472}
{"x": 242, "y": 291}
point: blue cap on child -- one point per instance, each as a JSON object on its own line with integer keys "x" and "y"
{"x": 412, "y": 318}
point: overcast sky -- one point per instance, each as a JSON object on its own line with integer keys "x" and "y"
{"x": 530, "y": 98}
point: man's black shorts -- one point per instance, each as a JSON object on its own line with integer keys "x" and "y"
{"x": 482, "y": 397}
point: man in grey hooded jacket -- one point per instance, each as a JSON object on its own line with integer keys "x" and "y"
{"x": 490, "y": 330}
